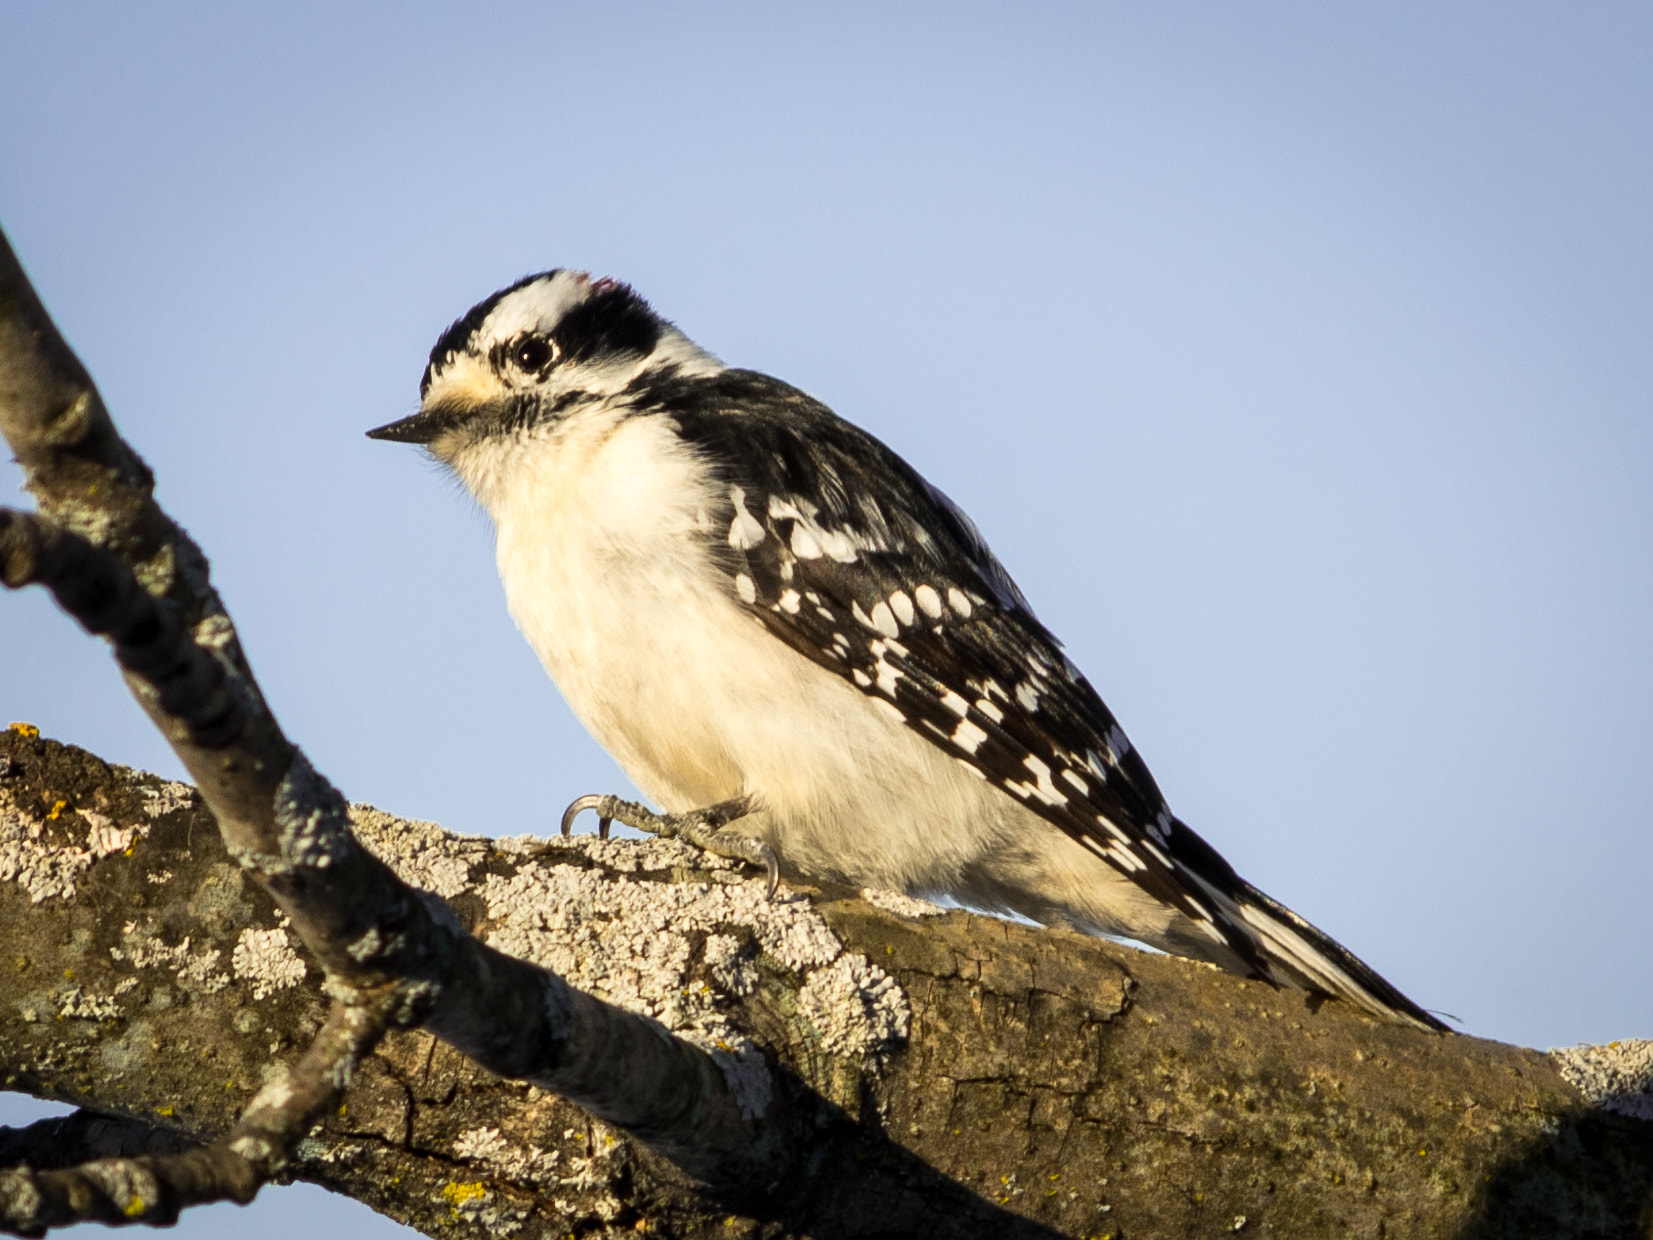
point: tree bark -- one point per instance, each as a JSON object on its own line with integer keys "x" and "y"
{"x": 1047, "y": 1084}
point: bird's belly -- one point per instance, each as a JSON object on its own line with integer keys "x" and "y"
{"x": 698, "y": 703}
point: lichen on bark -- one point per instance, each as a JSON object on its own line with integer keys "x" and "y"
{"x": 1046, "y": 1084}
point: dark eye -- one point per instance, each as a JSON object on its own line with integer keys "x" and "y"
{"x": 532, "y": 353}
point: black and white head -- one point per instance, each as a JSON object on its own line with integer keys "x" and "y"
{"x": 535, "y": 354}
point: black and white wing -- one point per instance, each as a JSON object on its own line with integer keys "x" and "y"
{"x": 849, "y": 556}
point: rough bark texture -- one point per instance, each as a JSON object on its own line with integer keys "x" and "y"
{"x": 1048, "y": 1084}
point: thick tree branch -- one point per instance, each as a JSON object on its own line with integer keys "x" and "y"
{"x": 1174, "y": 1095}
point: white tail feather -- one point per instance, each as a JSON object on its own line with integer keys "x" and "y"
{"x": 1303, "y": 965}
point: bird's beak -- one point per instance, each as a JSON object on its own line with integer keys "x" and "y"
{"x": 422, "y": 427}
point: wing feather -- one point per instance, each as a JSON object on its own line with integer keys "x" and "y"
{"x": 853, "y": 545}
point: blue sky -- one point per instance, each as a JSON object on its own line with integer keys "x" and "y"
{"x": 1294, "y": 357}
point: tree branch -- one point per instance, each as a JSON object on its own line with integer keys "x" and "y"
{"x": 117, "y": 564}
{"x": 1175, "y": 1095}
{"x": 151, "y": 1189}
{"x": 86, "y": 1136}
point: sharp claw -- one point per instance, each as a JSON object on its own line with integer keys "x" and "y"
{"x": 578, "y": 806}
{"x": 698, "y": 827}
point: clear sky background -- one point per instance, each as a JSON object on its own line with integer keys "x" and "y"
{"x": 1296, "y": 358}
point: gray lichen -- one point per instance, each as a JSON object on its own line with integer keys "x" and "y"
{"x": 78, "y": 1005}
{"x": 855, "y": 1007}
{"x": 46, "y": 853}
{"x": 1617, "y": 1077}
{"x": 680, "y": 952}
{"x": 486, "y": 1146}
{"x": 421, "y": 853}
{"x": 193, "y": 970}
{"x": 899, "y": 904}
{"x": 267, "y": 959}
{"x": 311, "y": 818}
{"x": 161, "y": 798}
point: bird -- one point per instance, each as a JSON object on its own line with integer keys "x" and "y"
{"x": 804, "y": 652}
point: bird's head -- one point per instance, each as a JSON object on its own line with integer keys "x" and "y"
{"x": 534, "y": 354}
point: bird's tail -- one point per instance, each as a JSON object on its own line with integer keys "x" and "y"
{"x": 1287, "y": 950}
{"x": 1297, "y": 954}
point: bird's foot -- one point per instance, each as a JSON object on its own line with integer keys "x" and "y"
{"x": 705, "y": 828}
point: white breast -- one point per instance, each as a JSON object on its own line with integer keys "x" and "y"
{"x": 601, "y": 527}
